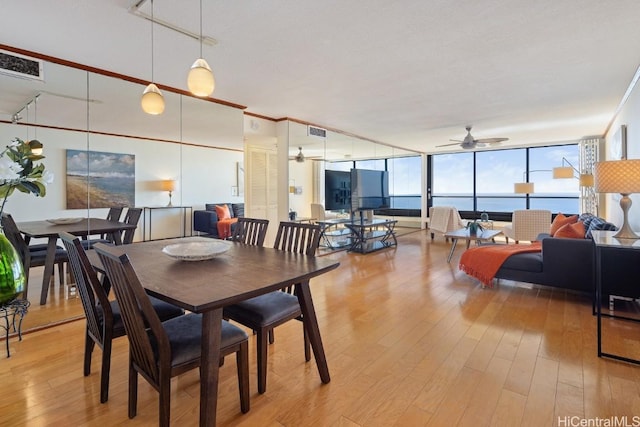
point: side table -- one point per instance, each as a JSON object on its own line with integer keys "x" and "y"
{"x": 12, "y": 309}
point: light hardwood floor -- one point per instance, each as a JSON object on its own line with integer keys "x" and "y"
{"x": 410, "y": 341}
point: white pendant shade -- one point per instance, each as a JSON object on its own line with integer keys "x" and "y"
{"x": 152, "y": 101}
{"x": 200, "y": 80}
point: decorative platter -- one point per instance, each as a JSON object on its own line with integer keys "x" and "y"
{"x": 197, "y": 251}
{"x": 63, "y": 221}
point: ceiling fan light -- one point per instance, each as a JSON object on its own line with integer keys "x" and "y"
{"x": 152, "y": 101}
{"x": 200, "y": 80}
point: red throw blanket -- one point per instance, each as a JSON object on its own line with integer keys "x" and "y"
{"x": 483, "y": 262}
{"x": 224, "y": 227}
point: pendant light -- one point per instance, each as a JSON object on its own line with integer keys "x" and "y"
{"x": 200, "y": 80}
{"x": 152, "y": 101}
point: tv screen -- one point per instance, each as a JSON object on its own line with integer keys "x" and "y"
{"x": 369, "y": 189}
{"x": 337, "y": 190}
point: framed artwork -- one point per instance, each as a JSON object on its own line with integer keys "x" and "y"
{"x": 618, "y": 149}
{"x": 101, "y": 180}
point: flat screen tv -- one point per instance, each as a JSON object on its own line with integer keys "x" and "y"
{"x": 369, "y": 189}
{"x": 337, "y": 190}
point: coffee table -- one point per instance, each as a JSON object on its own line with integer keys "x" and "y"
{"x": 463, "y": 233}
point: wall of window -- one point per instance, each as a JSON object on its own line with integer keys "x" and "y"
{"x": 480, "y": 181}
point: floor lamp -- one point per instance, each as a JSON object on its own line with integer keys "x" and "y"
{"x": 620, "y": 176}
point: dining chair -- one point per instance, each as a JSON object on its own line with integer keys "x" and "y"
{"x": 160, "y": 350}
{"x": 250, "y": 231}
{"x": 263, "y": 313}
{"x": 31, "y": 255}
{"x": 103, "y": 316}
{"x": 114, "y": 214}
{"x": 132, "y": 217}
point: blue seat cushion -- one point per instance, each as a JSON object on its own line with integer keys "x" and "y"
{"x": 185, "y": 334}
{"x": 264, "y": 310}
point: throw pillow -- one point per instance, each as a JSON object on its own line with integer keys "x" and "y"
{"x": 223, "y": 212}
{"x": 586, "y": 218}
{"x": 571, "y": 231}
{"x": 561, "y": 220}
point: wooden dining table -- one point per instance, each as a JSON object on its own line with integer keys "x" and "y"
{"x": 207, "y": 286}
{"x": 48, "y": 230}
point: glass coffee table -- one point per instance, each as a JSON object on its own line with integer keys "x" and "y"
{"x": 464, "y": 233}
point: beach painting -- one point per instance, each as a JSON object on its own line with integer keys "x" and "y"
{"x": 100, "y": 180}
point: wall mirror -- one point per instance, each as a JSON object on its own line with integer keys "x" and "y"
{"x": 75, "y": 109}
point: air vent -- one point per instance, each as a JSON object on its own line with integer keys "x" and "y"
{"x": 13, "y": 64}
{"x": 314, "y": 131}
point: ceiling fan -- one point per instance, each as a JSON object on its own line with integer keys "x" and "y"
{"x": 469, "y": 142}
{"x": 300, "y": 158}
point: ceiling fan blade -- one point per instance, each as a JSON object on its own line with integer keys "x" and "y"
{"x": 491, "y": 140}
{"x": 449, "y": 145}
{"x": 456, "y": 140}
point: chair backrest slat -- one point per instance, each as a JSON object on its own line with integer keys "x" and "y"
{"x": 250, "y": 231}
{"x": 298, "y": 238}
{"x": 137, "y": 313}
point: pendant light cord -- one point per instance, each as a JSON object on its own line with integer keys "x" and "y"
{"x": 200, "y": 28}
{"x": 152, "y": 20}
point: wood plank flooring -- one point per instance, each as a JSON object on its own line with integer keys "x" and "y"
{"x": 410, "y": 341}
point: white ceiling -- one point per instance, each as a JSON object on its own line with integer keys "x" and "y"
{"x": 406, "y": 73}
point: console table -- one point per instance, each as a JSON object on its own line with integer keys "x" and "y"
{"x": 604, "y": 240}
{"x": 147, "y": 213}
{"x": 369, "y": 236}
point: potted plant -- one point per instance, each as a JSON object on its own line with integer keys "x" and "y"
{"x": 474, "y": 226}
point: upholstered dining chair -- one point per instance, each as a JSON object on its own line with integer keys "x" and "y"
{"x": 104, "y": 320}
{"x": 31, "y": 255}
{"x": 527, "y": 224}
{"x": 161, "y": 350}
{"x": 263, "y": 313}
{"x": 132, "y": 217}
{"x": 250, "y": 231}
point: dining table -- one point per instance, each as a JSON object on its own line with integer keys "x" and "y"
{"x": 50, "y": 230}
{"x": 206, "y": 286}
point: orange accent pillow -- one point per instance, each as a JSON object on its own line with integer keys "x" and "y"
{"x": 571, "y": 231}
{"x": 223, "y": 212}
{"x": 561, "y": 220}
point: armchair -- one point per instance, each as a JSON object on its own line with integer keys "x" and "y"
{"x": 206, "y": 221}
{"x": 443, "y": 219}
{"x": 527, "y": 224}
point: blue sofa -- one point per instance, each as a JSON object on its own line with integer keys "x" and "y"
{"x": 206, "y": 221}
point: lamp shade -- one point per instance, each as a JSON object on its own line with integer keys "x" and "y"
{"x": 563, "y": 172}
{"x": 200, "y": 79}
{"x": 168, "y": 185}
{"x": 152, "y": 100}
{"x": 586, "y": 180}
{"x": 523, "y": 187}
{"x": 618, "y": 176}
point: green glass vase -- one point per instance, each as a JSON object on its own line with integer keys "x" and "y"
{"x": 12, "y": 277}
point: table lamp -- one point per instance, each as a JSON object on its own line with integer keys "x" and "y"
{"x": 620, "y": 176}
{"x": 168, "y": 185}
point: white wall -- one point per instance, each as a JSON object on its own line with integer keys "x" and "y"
{"x": 630, "y": 116}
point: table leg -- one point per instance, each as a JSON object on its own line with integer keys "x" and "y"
{"x": 209, "y": 365}
{"x": 48, "y": 268}
{"x": 454, "y": 242}
{"x": 311, "y": 325}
